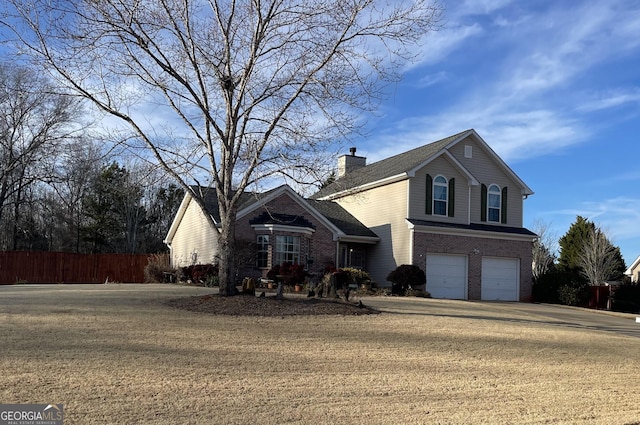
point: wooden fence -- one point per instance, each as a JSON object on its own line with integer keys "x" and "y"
{"x": 63, "y": 267}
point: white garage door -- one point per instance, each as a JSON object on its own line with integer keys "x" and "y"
{"x": 447, "y": 276}
{"x": 500, "y": 279}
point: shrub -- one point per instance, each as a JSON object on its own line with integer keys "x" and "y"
{"x": 561, "y": 287}
{"x": 295, "y": 273}
{"x": 626, "y": 298}
{"x": 157, "y": 266}
{"x": 406, "y": 276}
{"x": 356, "y": 276}
{"x": 574, "y": 293}
{"x": 200, "y": 274}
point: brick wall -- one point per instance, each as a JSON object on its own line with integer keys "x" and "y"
{"x": 475, "y": 248}
{"x": 321, "y": 247}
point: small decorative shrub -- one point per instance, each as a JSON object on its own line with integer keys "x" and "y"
{"x": 199, "y": 274}
{"x": 357, "y": 276}
{"x": 569, "y": 294}
{"x": 295, "y": 274}
{"x": 406, "y": 276}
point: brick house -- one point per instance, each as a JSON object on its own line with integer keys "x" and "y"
{"x": 273, "y": 227}
{"x": 452, "y": 207}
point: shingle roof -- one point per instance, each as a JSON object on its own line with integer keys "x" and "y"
{"x": 388, "y": 167}
{"x": 333, "y": 212}
{"x": 210, "y": 198}
{"x": 475, "y": 226}
{"x": 341, "y": 218}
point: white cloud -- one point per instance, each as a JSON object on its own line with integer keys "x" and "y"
{"x": 611, "y": 99}
{"x": 440, "y": 44}
{"x": 432, "y": 79}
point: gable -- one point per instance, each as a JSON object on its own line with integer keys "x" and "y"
{"x": 483, "y": 163}
{"x": 405, "y": 165}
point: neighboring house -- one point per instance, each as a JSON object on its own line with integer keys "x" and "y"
{"x": 452, "y": 207}
{"x": 634, "y": 271}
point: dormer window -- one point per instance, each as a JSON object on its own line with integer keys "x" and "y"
{"x": 440, "y": 195}
{"x": 494, "y": 203}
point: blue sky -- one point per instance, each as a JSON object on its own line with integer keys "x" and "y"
{"x": 552, "y": 86}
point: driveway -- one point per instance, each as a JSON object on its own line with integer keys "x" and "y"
{"x": 548, "y": 314}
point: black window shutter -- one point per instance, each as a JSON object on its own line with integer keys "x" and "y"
{"x": 429, "y": 207}
{"x": 483, "y": 203}
{"x": 503, "y": 206}
{"x": 452, "y": 196}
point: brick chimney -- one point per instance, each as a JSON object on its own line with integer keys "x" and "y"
{"x": 351, "y": 162}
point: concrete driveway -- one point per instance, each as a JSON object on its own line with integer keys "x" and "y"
{"x": 546, "y": 314}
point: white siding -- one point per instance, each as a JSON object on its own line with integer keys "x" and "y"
{"x": 194, "y": 242}
{"x": 383, "y": 210}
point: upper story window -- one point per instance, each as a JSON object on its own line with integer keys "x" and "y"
{"x": 493, "y": 206}
{"x": 287, "y": 249}
{"x": 440, "y": 195}
{"x": 494, "y": 203}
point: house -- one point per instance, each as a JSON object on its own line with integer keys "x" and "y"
{"x": 271, "y": 228}
{"x": 634, "y": 271}
{"x": 452, "y": 207}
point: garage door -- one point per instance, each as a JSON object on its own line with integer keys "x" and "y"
{"x": 500, "y": 279}
{"x": 447, "y": 276}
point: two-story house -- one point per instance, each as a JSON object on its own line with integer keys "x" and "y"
{"x": 452, "y": 207}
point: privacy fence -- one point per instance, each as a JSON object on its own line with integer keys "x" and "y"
{"x": 63, "y": 267}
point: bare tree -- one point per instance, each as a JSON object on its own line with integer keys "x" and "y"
{"x": 598, "y": 259}
{"x": 543, "y": 249}
{"x": 34, "y": 122}
{"x": 237, "y": 91}
{"x": 76, "y": 168}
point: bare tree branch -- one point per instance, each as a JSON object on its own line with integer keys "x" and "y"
{"x": 257, "y": 88}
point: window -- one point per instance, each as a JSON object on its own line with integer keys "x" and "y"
{"x": 262, "y": 256}
{"x": 468, "y": 151}
{"x": 440, "y": 197}
{"x": 287, "y": 249}
{"x": 494, "y": 203}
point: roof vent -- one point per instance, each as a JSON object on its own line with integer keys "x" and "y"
{"x": 352, "y": 151}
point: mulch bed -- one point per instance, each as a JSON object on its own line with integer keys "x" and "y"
{"x": 250, "y": 305}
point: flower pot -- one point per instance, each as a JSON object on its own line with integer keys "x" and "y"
{"x": 297, "y": 288}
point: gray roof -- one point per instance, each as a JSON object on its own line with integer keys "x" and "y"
{"x": 475, "y": 226}
{"x": 210, "y": 198}
{"x": 341, "y": 218}
{"x": 333, "y": 212}
{"x": 388, "y": 167}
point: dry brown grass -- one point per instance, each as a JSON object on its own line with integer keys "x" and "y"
{"x": 115, "y": 354}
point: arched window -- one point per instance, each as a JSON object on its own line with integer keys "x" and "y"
{"x": 440, "y": 195}
{"x": 494, "y": 203}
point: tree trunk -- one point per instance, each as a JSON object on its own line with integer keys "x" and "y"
{"x": 226, "y": 253}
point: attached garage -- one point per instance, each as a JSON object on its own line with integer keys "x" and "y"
{"x": 447, "y": 276}
{"x": 500, "y": 279}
